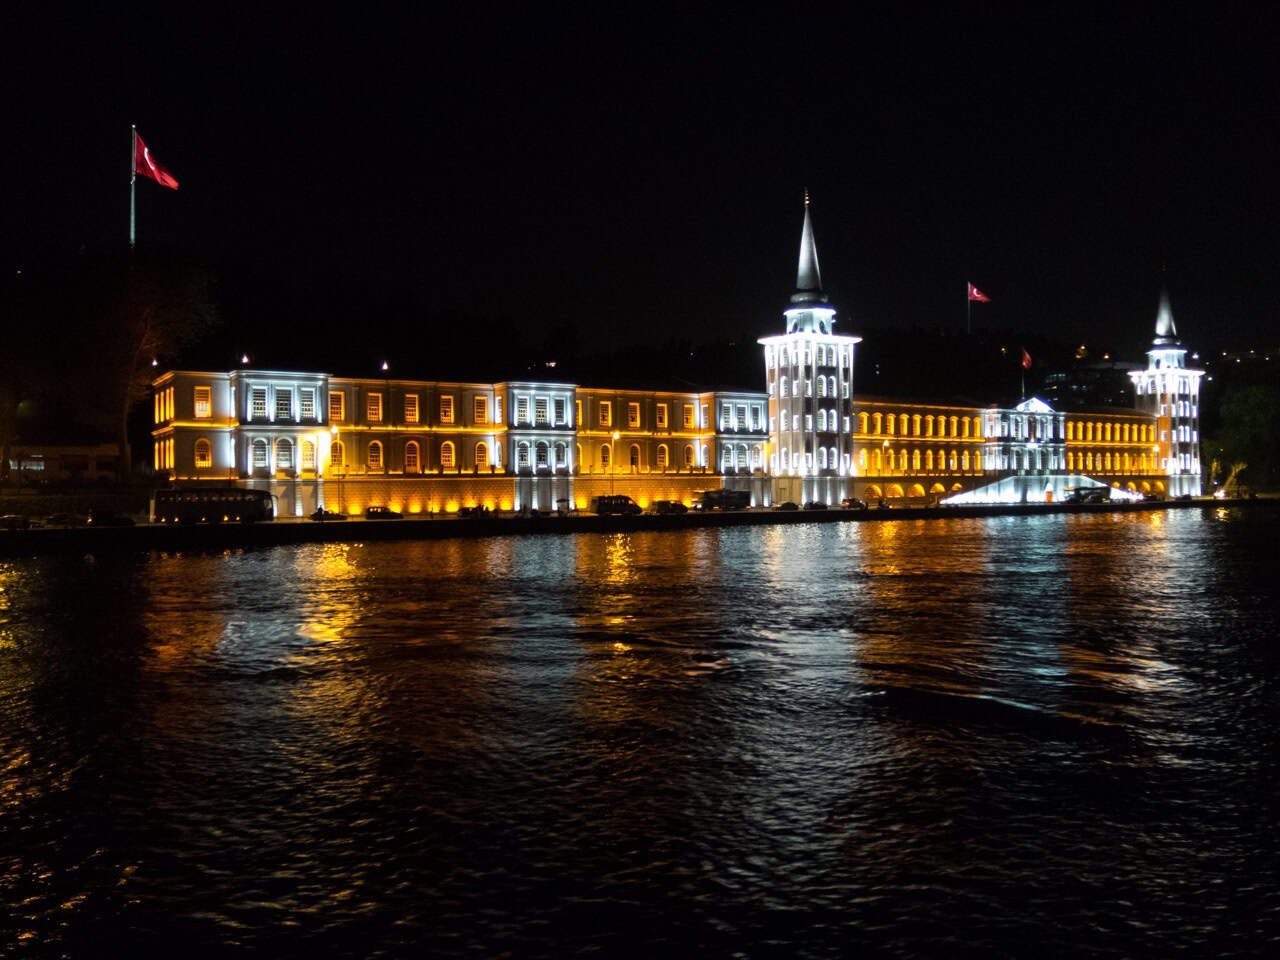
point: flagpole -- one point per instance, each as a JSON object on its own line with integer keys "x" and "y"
{"x": 968, "y": 309}
{"x": 133, "y": 183}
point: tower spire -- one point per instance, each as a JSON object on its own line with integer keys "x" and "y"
{"x": 808, "y": 277}
{"x": 1166, "y": 332}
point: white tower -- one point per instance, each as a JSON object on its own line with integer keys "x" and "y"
{"x": 1170, "y": 391}
{"x": 809, "y": 372}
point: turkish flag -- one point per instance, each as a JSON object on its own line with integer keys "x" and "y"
{"x": 976, "y": 294}
{"x": 145, "y": 164}
{"x": 1026, "y": 359}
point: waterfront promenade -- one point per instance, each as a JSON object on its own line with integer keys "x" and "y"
{"x": 296, "y": 531}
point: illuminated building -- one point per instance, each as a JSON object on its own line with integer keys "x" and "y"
{"x": 809, "y": 377}
{"x": 1169, "y": 391}
{"x": 313, "y": 439}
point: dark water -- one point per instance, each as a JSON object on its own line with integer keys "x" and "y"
{"x": 1052, "y": 735}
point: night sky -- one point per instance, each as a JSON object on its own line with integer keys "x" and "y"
{"x": 361, "y": 181}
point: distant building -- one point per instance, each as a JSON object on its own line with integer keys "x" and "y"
{"x": 43, "y": 463}
{"x": 314, "y": 439}
{"x": 1106, "y": 383}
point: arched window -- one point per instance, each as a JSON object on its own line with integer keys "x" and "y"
{"x": 604, "y": 456}
{"x": 1107, "y": 433}
{"x": 635, "y": 457}
{"x": 977, "y": 427}
{"x": 902, "y": 424}
{"x": 562, "y": 451}
{"x": 876, "y": 463}
{"x": 1071, "y": 429}
{"x": 308, "y": 455}
{"x": 522, "y": 456}
{"x": 878, "y": 422}
{"x": 831, "y": 386}
{"x": 964, "y": 461}
{"x": 928, "y": 425}
{"x": 915, "y": 461}
{"x": 663, "y": 461}
{"x": 928, "y": 459}
{"x": 540, "y": 455}
{"x": 889, "y": 461}
{"x": 260, "y": 454}
{"x": 448, "y": 455}
{"x": 822, "y": 457}
{"x": 284, "y": 454}
{"x": 862, "y": 423}
{"x": 755, "y": 458}
{"x": 204, "y": 453}
{"x": 782, "y": 387}
{"x": 782, "y": 357}
{"x": 977, "y": 460}
{"x": 964, "y": 427}
{"x": 337, "y": 454}
{"x": 482, "y": 455}
{"x": 688, "y": 456}
{"x": 577, "y": 456}
{"x": 862, "y": 460}
{"x": 822, "y": 386}
{"x": 412, "y": 460}
{"x": 822, "y": 421}
{"x": 953, "y": 426}
{"x": 375, "y": 455}
{"x": 704, "y": 460}
{"x": 891, "y": 423}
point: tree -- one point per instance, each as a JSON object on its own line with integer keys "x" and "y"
{"x": 1249, "y": 432}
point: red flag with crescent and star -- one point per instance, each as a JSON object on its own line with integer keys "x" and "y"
{"x": 1026, "y": 359}
{"x": 978, "y": 295}
{"x": 145, "y": 164}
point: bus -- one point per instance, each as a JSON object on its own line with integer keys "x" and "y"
{"x": 225, "y": 505}
{"x": 722, "y": 499}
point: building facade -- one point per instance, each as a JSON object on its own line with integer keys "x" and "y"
{"x": 318, "y": 440}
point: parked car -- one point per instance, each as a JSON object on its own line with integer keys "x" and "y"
{"x": 474, "y": 513}
{"x": 108, "y": 518}
{"x": 815, "y": 505}
{"x": 788, "y": 505}
{"x": 14, "y": 521}
{"x": 853, "y": 503}
{"x": 63, "y": 520}
{"x": 669, "y": 507}
{"x": 382, "y": 513}
{"x": 615, "y": 504}
{"x": 322, "y": 515}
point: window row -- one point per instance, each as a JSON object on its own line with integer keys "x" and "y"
{"x": 661, "y": 418}
{"x": 827, "y": 387}
{"x": 903, "y": 461}
{"x": 483, "y": 456}
{"x": 410, "y": 408}
{"x": 1090, "y": 431}
{"x": 919, "y": 425}
{"x": 1109, "y": 463}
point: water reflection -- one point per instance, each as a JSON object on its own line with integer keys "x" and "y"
{"x": 713, "y": 737}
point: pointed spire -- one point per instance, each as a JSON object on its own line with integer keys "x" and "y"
{"x": 808, "y": 277}
{"x": 1166, "y": 332}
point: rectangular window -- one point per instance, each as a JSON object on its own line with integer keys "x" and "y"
{"x": 706, "y": 419}
{"x": 577, "y": 412}
{"x": 560, "y": 410}
{"x": 446, "y": 409}
{"x": 522, "y": 410}
{"x": 660, "y": 414}
{"x": 307, "y": 405}
{"x": 411, "y": 458}
{"x": 410, "y": 408}
{"x": 258, "y": 403}
{"x": 633, "y": 414}
{"x": 308, "y": 455}
{"x": 688, "y": 416}
{"x": 742, "y": 417}
{"x": 480, "y": 407}
{"x": 374, "y": 408}
{"x": 606, "y": 413}
{"x": 540, "y": 411}
{"x": 497, "y": 410}
{"x": 204, "y": 402}
{"x": 337, "y": 405}
{"x": 284, "y": 404}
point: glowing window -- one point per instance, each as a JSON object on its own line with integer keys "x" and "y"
{"x": 688, "y": 415}
{"x": 604, "y": 456}
{"x": 204, "y": 453}
{"x": 606, "y": 413}
{"x": 577, "y": 411}
{"x": 660, "y": 414}
{"x": 522, "y": 456}
{"x": 307, "y": 404}
{"x": 337, "y": 454}
{"x": 482, "y": 454}
{"x": 284, "y": 404}
{"x": 375, "y": 455}
{"x": 260, "y": 454}
{"x": 662, "y": 456}
{"x": 522, "y": 410}
{"x": 258, "y": 403}
{"x": 308, "y": 455}
{"x": 635, "y": 457}
{"x": 446, "y": 408}
{"x": 284, "y": 455}
{"x": 448, "y": 455}
{"x": 540, "y": 455}
{"x": 337, "y": 406}
{"x": 412, "y": 460}
{"x": 688, "y": 455}
{"x": 410, "y": 408}
{"x": 373, "y": 407}
{"x": 560, "y": 409}
{"x": 633, "y": 414}
{"x": 562, "y": 451}
{"x": 480, "y": 409}
{"x": 540, "y": 411}
{"x": 203, "y": 402}
{"x": 706, "y": 420}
